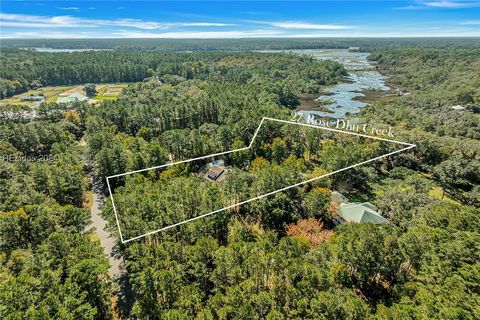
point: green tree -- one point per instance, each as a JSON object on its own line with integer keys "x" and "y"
{"x": 316, "y": 202}
{"x": 90, "y": 89}
{"x": 110, "y": 161}
{"x": 240, "y": 159}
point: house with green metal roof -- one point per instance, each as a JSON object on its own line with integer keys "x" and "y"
{"x": 339, "y": 197}
{"x": 361, "y": 213}
{"x": 75, "y": 97}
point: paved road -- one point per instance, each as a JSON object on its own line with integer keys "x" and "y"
{"x": 106, "y": 240}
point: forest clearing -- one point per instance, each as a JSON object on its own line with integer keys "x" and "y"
{"x": 51, "y": 93}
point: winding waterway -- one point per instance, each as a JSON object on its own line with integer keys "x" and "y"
{"x": 343, "y": 97}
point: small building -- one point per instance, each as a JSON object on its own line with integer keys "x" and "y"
{"x": 215, "y": 174}
{"x": 216, "y": 163}
{"x": 74, "y": 97}
{"x": 458, "y": 107}
{"x": 33, "y": 98}
{"x": 361, "y": 213}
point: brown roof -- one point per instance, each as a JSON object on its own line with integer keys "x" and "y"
{"x": 214, "y": 173}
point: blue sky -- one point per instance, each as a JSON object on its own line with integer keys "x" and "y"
{"x": 238, "y": 19}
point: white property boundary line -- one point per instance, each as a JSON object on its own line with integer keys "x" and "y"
{"x": 409, "y": 146}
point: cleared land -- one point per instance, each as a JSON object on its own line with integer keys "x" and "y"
{"x": 51, "y": 93}
{"x": 109, "y": 91}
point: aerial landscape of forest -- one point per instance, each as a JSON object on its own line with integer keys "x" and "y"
{"x": 176, "y": 172}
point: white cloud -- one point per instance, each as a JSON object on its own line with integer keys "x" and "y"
{"x": 51, "y": 35}
{"x": 201, "y": 24}
{"x": 471, "y": 22}
{"x": 70, "y": 8}
{"x": 27, "y": 34}
{"x": 303, "y": 25}
{"x": 393, "y": 34}
{"x": 441, "y": 32}
{"x": 410, "y": 7}
{"x": 450, "y": 4}
{"x": 198, "y": 34}
{"x": 441, "y": 4}
{"x": 134, "y": 23}
{"x": 30, "y": 21}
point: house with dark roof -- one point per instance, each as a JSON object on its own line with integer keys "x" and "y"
{"x": 215, "y": 174}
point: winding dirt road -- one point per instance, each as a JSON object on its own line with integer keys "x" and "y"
{"x": 107, "y": 241}
{"x": 123, "y": 292}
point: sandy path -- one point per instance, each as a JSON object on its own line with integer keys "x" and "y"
{"x": 107, "y": 241}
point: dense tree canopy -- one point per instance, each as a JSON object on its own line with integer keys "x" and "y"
{"x": 281, "y": 257}
{"x": 49, "y": 268}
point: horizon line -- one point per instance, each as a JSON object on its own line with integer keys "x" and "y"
{"x": 255, "y": 38}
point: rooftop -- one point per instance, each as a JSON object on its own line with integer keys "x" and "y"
{"x": 361, "y": 213}
{"x": 33, "y": 98}
{"x": 458, "y": 107}
{"x": 74, "y": 97}
{"x": 340, "y": 197}
{"x": 216, "y": 163}
{"x": 215, "y": 174}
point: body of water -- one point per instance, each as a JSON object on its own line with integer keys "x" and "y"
{"x": 343, "y": 97}
{"x": 42, "y": 49}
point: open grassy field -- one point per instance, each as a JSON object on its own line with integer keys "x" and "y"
{"x": 51, "y": 93}
{"x": 109, "y": 91}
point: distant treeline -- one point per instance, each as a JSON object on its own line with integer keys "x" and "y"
{"x": 236, "y": 44}
{"x": 24, "y": 69}
{"x": 132, "y": 60}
